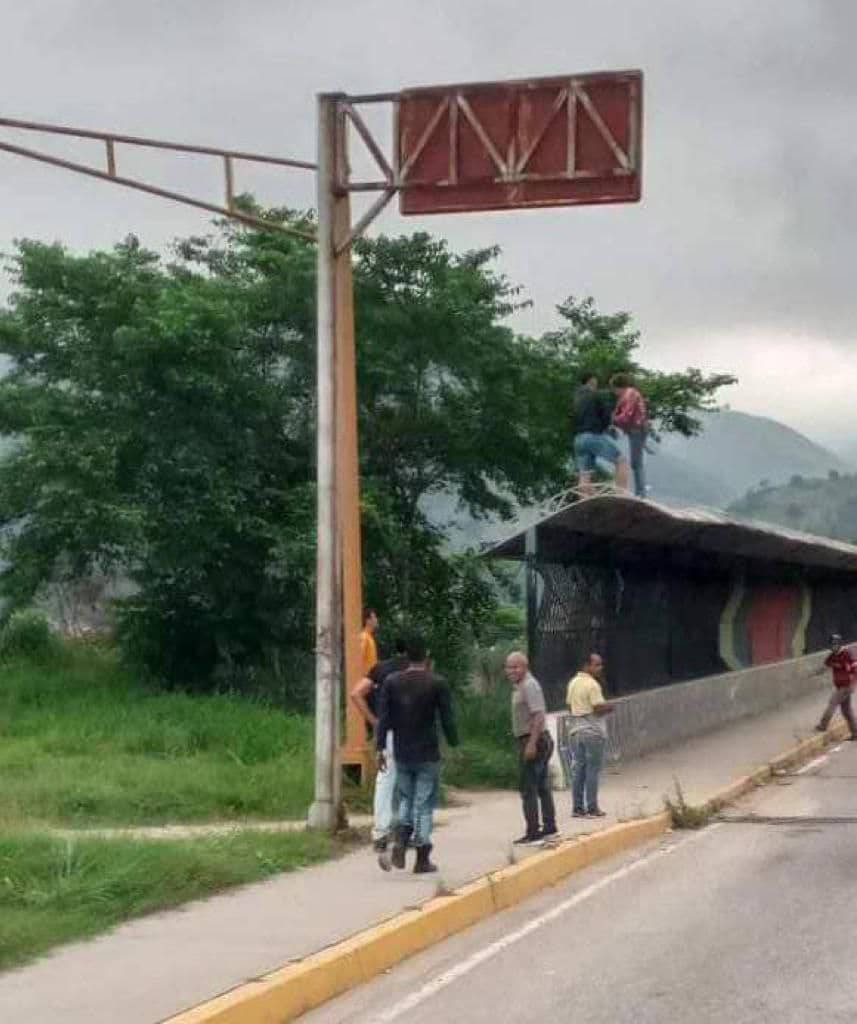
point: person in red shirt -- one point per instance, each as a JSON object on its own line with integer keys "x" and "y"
{"x": 632, "y": 418}
{"x": 843, "y": 664}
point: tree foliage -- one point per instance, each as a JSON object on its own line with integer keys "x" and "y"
{"x": 164, "y": 413}
{"x": 605, "y": 344}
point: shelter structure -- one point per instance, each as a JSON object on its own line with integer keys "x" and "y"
{"x": 667, "y": 595}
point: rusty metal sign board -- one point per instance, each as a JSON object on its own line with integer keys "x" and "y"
{"x": 507, "y": 145}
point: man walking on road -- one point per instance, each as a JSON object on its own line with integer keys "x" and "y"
{"x": 366, "y": 698}
{"x": 410, "y": 703}
{"x": 535, "y": 747}
{"x": 844, "y": 666}
{"x": 588, "y": 736}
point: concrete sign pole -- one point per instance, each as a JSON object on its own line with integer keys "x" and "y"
{"x": 324, "y": 814}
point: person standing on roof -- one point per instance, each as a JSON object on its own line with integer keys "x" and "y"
{"x": 592, "y": 440}
{"x": 843, "y": 665}
{"x": 632, "y": 418}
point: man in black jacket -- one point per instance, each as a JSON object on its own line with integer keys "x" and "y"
{"x": 366, "y": 698}
{"x": 411, "y": 701}
{"x": 592, "y": 440}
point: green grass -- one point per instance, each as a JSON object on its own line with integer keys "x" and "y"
{"x": 486, "y": 757}
{"x": 82, "y": 744}
{"x": 54, "y": 890}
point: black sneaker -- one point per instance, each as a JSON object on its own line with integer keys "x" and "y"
{"x": 578, "y": 814}
{"x": 597, "y": 813}
{"x": 549, "y": 833}
{"x": 527, "y": 839}
{"x": 380, "y": 845}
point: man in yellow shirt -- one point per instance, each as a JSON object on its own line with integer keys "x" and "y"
{"x": 588, "y": 731}
{"x": 368, "y": 646}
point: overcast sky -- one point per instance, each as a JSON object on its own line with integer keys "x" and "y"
{"x": 740, "y": 256}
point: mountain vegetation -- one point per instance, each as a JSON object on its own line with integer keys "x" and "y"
{"x": 822, "y": 505}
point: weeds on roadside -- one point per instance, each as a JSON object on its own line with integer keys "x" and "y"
{"x": 54, "y": 889}
{"x": 685, "y": 815}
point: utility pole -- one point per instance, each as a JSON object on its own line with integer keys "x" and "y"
{"x": 338, "y": 572}
{"x": 324, "y": 814}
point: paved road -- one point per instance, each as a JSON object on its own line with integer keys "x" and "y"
{"x": 746, "y": 921}
{"x": 150, "y": 968}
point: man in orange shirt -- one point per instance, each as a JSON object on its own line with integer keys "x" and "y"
{"x": 368, "y": 646}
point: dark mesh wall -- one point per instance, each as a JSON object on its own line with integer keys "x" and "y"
{"x": 652, "y": 626}
{"x": 834, "y": 610}
{"x": 654, "y": 622}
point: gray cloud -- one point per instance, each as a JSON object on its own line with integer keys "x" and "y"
{"x": 748, "y": 220}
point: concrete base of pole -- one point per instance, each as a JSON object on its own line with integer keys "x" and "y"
{"x": 326, "y": 816}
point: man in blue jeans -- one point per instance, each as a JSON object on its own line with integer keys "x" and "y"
{"x": 592, "y": 440}
{"x": 365, "y": 697}
{"x": 588, "y": 731}
{"x": 411, "y": 702}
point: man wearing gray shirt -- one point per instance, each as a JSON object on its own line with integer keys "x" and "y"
{"x": 535, "y": 747}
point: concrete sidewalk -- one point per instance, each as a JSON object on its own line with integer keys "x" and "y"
{"x": 150, "y": 969}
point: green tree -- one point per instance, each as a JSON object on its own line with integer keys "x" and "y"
{"x": 608, "y": 343}
{"x": 451, "y": 401}
{"x": 165, "y": 418}
{"x": 164, "y": 438}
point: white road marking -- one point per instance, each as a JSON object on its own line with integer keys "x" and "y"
{"x": 434, "y": 986}
{"x": 812, "y": 764}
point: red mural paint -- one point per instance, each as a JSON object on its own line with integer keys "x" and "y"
{"x": 771, "y": 622}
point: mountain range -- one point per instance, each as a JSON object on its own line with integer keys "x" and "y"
{"x": 734, "y": 453}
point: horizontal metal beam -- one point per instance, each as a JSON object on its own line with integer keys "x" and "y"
{"x": 133, "y": 140}
{"x": 154, "y": 190}
{"x": 372, "y": 97}
{"x": 513, "y": 179}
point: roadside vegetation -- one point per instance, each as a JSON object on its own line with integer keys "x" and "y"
{"x": 55, "y": 889}
{"x": 82, "y": 743}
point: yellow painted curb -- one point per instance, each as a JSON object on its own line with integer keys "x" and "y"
{"x": 796, "y": 755}
{"x": 293, "y": 990}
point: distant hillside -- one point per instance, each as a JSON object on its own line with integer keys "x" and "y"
{"x": 737, "y": 451}
{"x": 826, "y": 506}
{"x": 673, "y": 479}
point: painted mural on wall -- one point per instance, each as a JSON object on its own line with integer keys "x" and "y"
{"x": 764, "y": 622}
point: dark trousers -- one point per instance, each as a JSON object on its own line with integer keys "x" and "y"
{"x": 535, "y": 784}
{"x": 840, "y": 698}
{"x": 636, "y": 449}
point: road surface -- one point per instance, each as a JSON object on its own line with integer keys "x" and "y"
{"x": 753, "y": 919}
